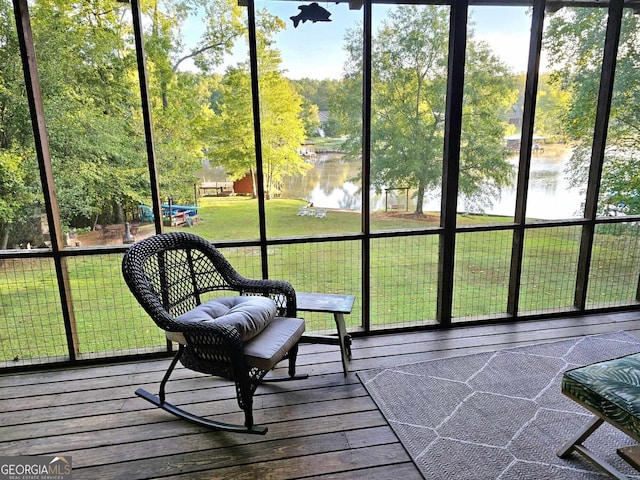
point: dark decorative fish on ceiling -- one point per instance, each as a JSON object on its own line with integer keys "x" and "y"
{"x": 312, "y": 12}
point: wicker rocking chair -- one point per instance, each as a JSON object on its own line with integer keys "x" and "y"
{"x": 175, "y": 277}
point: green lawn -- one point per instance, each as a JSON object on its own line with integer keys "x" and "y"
{"x": 403, "y": 276}
{"x": 235, "y": 218}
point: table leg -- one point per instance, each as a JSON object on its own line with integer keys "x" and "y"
{"x": 345, "y": 341}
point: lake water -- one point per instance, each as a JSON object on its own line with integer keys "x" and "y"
{"x": 330, "y": 184}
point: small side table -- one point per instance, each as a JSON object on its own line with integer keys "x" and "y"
{"x": 339, "y": 305}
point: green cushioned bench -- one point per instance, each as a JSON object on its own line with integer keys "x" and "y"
{"x": 611, "y": 390}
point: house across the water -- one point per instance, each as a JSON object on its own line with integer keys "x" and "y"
{"x": 513, "y": 142}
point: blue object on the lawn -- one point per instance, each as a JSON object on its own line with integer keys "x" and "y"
{"x": 145, "y": 213}
{"x": 190, "y": 210}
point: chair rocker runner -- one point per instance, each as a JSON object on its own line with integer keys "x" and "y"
{"x": 175, "y": 277}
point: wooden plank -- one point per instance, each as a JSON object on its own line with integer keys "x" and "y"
{"x": 181, "y": 433}
{"x": 226, "y": 410}
{"x": 221, "y": 450}
{"x": 405, "y": 471}
{"x": 204, "y": 401}
{"x": 631, "y": 455}
{"x": 382, "y": 355}
{"x": 324, "y": 427}
{"x": 325, "y": 463}
{"x": 300, "y": 460}
{"x": 368, "y": 349}
{"x": 66, "y": 374}
{"x": 544, "y": 329}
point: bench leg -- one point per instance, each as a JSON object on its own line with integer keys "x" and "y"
{"x": 345, "y": 342}
{"x": 576, "y": 444}
{"x": 588, "y": 429}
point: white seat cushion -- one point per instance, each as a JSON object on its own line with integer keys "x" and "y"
{"x": 266, "y": 349}
{"x": 250, "y": 315}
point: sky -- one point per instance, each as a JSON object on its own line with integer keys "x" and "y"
{"x": 315, "y": 50}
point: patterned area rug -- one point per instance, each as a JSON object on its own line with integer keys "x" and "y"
{"x": 498, "y": 415}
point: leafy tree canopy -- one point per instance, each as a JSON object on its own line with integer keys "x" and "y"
{"x": 281, "y": 124}
{"x": 575, "y": 41}
{"x": 88, "y": 74}
{"x": 409, "y": 78}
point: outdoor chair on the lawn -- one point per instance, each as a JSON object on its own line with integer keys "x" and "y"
{"x": 177, "y": 277}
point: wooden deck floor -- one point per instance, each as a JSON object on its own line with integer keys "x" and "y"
{"x": 324, "y": 427}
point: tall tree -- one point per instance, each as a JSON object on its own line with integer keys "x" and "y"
{"x": 317, "y": 95}
{"x": 16, "y": 196}
{"x": 82, "y": 64}
{"x": 409, "y": 75}
{"x": 181, "y": 85}
{"x": 282, "y": 128}
{"x": 89, "y": 81}
{"x": 575, "y": 41}
{"x": 19, "y": 182}
{"x": 86, "y": 63}
{"x": 551, "y": 103}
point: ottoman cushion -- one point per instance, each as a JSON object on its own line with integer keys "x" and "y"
{"x": 611, "y": 388}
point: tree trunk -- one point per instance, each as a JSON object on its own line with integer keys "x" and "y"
{"x": 4, "y": 238}
{"x": 118, "y": 212}
{"x": 254, "y": 185}
{"x": 165, "y": 99}
{"x": 267, "y": 188}
{"x": 419, "y": 199}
